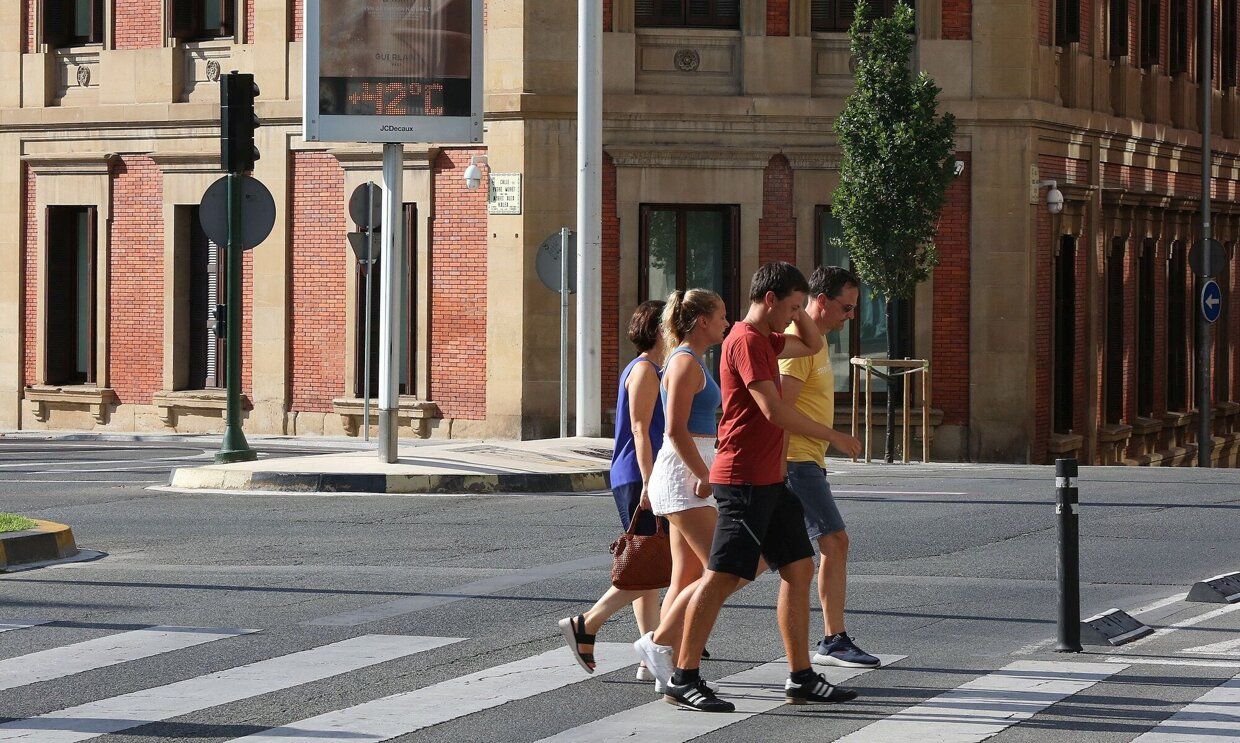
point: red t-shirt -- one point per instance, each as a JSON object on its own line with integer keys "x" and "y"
{"x": 751, "y": 448}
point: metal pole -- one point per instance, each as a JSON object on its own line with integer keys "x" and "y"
{"x": 1069, "y": 568}
{"x": 234, "y": 447}
{"x": 589, "y": 215}
{"x": 1206, "y": 68}
{"x": 370, "y": 271}
{"x": 564, "y": 332}
{"x": 390, "y": 320}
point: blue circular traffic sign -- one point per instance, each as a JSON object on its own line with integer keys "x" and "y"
{"x": 1211, "y": 301}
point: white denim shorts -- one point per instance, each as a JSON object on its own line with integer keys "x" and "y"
{"x": 672, "y": 482}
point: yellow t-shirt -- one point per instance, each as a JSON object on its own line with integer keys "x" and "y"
{"x": 817, "y": 401}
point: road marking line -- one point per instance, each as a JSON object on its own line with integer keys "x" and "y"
{"x": 1184, "y": 624}
{"x": 1160, "y": 603}
{"x": 482, "y": 587}
{"x": 986, "y": 706}
{"x": 300, "y": 494}
{"x": 112, "y": 715}
{"x": 1148, "y": 661}
{"x": 898, "y": 492}
{"x": 1226, "y": 647}
{"x": 7, "y": 626}
{"x": 101, "y": 652}
{"x": 410, "y": 711}
{"x": 1215, "y": 713}
{"x": 754, "y": 691}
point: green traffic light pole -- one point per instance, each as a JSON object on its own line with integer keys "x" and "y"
{"x": 234, "y": 447}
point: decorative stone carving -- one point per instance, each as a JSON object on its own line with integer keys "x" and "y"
{"x": 83, "y": 75}
{"x": 688, "y": 60}
{"x": 213, "y": 70}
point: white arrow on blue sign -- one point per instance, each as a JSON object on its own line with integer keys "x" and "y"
{"x": 1211, "y": 301}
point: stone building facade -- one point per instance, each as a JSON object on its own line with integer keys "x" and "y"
{"x": 1047, "y": 334}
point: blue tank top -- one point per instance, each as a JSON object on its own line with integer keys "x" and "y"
{"x": 702, "y": 421}
{"x": 624, "y": 469}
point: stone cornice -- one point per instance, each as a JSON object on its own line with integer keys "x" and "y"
{"x": 370, "y": 157}
{"x": 188, "y": 162}
{"x": 626, "y": 156}
{"x": 70, "y": 163}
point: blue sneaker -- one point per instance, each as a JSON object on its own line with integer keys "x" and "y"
{"x": 840, "y": 650}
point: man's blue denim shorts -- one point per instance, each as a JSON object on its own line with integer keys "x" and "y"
{"x": 809, "y": 483}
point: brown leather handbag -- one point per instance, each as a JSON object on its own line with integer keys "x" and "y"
{"x": 640, "y": 562}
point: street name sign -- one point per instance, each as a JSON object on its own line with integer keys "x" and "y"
{"x": 258, "y": 211}
{"x": 504, "y": 193}
{"x": 393, "y": 71}
{"x": 1211, "y": 301}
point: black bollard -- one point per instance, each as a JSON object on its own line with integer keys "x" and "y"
{"x": 1069, "y": 568}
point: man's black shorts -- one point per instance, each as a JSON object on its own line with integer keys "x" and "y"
{"x": 757, "y": 520}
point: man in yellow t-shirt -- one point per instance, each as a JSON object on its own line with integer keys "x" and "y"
{"x": 809, "y": 385}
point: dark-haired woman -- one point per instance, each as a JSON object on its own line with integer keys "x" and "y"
{"x": 639, "y": 435}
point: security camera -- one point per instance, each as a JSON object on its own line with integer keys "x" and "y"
{"x": 473, "y": 174}
{"x": 1054, "y": 200}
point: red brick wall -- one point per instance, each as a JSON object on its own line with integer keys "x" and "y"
{"x": 611, "y": 285}
{"x": 139, "y": 24}
{"x": 1044, "y": 21}
{"x": 1042, "y": 333}
{"x": 777, "y": 229}
{"x": 950, "y": 337}
{"x": 299, "y": 9}
{"x": 30, "y": 280}
{"x": 459, "y": 289}
{"x": 136, "y": 281}
{"x": 1087, "y": 24}
{"x": 777, "y": 17}
{"x": 28, "y": 41}
{"x": 957, "y": 19}
{"x": 1160, "y": 323}
{"x": 320, "y": 266}
{"x": 608, "y": 23}
{"x": 1129, "y": 321}
{"x": 249, "y": 21}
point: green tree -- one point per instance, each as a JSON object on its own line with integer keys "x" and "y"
{"x": 898, "y": 159}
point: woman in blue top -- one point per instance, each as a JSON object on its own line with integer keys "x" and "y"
{"x": 680, "y": 484}
{"x": 639, "y": 435}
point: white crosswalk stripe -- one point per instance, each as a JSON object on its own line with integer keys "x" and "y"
{"x": 114, "y": 714}
{"x": 6, "y": 626}
{"x": 405, "y": 713}
{"x": 1226, "y": 647}
{"x": 1214, "y": 717}
{"x": 55, "y": 663}
{"x": 986, "y": 706}
{"x": 753, "y": 691}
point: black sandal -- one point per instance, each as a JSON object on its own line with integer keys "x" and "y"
{"x": 575, "y": 636}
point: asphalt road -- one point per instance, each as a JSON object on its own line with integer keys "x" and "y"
{"x": 952, "y": 567}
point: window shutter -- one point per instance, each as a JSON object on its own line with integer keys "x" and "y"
{"x": 96, "y": 22}
{"x": 184, "y": 21}
{"x": 57, "y": 15}
{"x": 820, "y": 15}
{"x": 659, "y": 12}
{"x": 227, "y": 14}
{"x": 724, "y": 13}
{"x": 845, "y": 11}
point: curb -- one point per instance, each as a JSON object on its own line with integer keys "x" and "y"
{"x": 201, "y": 478}
{"x": 49, "y": 541}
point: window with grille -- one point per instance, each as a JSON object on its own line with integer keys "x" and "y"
{"x": 71, "y": 278}
{"x": 207, "y": 281}
{"x": 1117, "y": 29}
{"x": 1113, "y": 378}
{"x": 1067, "y": 22}
{"x": 1177, "y": 328}
{"x": 1151, "y": 32}
{"x": 1178, "y": 41}
{"x": 689, "y": 13}
{"x": 837, "y": 15}
{"x": 1065, "y": 335}
{"x": 72, "y": 22}
{"x": 1145, "y": 329}
{"x": 1229, "y": 43}
{"x": 199, "y": 20}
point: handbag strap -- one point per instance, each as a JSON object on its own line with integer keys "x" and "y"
{"x": 658, "y": 525}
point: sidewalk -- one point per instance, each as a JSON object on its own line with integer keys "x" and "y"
{"x": 548, "y": 466}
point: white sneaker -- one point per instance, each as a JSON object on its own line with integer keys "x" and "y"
{"x": 644, "y": 674}
{"x": 658, "y": 658}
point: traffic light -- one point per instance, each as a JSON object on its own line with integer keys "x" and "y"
{"x": 238, "y": 122}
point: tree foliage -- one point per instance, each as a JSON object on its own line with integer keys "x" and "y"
{"x": 898, "y": 158}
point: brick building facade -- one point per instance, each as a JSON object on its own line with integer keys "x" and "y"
{"x": 1047, "y": 334}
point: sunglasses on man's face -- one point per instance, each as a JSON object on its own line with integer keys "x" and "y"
{"x": 847, "y": 308}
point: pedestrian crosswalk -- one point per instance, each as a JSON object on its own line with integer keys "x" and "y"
{"x": 984, "y": 705}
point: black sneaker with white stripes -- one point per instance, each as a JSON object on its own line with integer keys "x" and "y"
{"x": 696, "y": 695}
{"x": 816, "y": 691}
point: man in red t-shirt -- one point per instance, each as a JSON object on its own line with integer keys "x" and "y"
{"x": 758, "y": 517}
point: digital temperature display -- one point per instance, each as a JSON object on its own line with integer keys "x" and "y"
{"x": 385, "y": 96}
